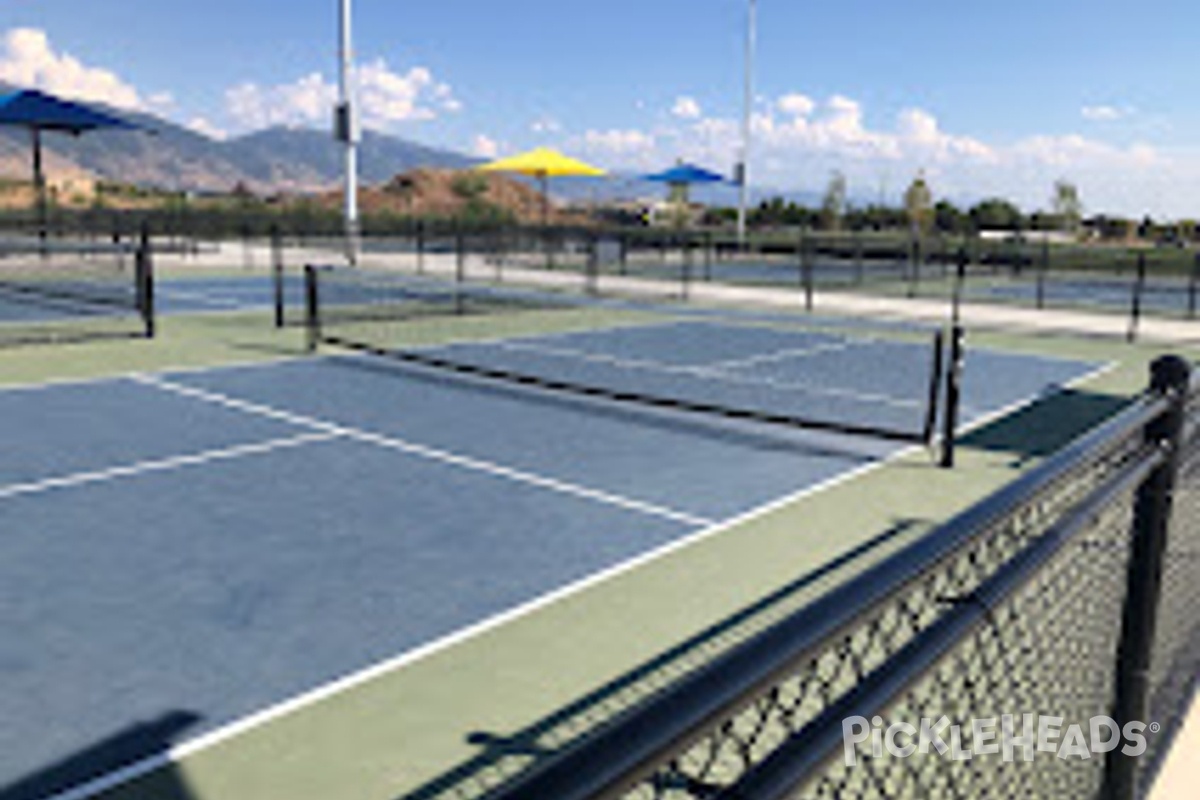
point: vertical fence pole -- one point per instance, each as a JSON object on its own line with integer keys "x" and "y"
{"x": 460, "y": 269}
{"x": 1170, "y": 377}
{"x": 144, "y": 275}
{"x": 1043, "y": 269}
{"x": 247, "y": 257}
{"x": 806, "y": 269}
{"x": 960, "y": 278}
{"x": 421, "y": 247}
{"x": 859, "y": 269}
{"x": 1135, "y": 309}
{"x": 277, "y": 273}
{"x": 708, "y": 256}
{"x": 312, "y": 307}
{"x": 1193, "y": 285}
{"x": 914, "y": 255}
{"x": 592, "y": 271}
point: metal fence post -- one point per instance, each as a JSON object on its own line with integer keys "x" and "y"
{"x": 1135, "y": 311}
{"x": 277, "y": 273}
{"x": 1170, "y": 377}
{"x": 420, "y": 245}
{"x": 806, "y": 268}
{"x": 1193, "y": 283}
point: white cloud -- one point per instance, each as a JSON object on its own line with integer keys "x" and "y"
{"x": 1103, "y": 113}
{"x": 1074, "y": 150}
{"x": 305, "y": 101}
{"x": 27, "y": 59}
{"x": 545, "y": 125}
{"x": 796, "y": 105}
{"x": 485, "y": 147}
{"x": 686, "y": 108}
{"x": 619, "y": 142}
{"x": 386, "y": 98}
{"x": 205, "y": 128}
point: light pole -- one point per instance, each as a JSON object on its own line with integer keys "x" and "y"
{"x": 747, "y": 111}
{"x": 346, "y": 131}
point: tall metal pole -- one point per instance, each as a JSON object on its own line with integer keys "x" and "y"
{"x": 747, "y": 112}
{"x": 348, "y": 133}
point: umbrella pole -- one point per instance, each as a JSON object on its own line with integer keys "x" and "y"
{"x": 39, "y": 188}
{"x": 545, "y": 182}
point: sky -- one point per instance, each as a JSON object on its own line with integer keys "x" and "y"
{"x": 995, "y": 99}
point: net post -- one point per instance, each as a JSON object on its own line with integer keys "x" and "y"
{"x": 935, "y": 386}
{"x": 144, "y": 276}
{"x": 1135, "y": 308}
{"x": 277, "y": 273}
{"x": 954, "y": 370}
{"x": 312, "y": 308}
{"x": 1170, "y": 377}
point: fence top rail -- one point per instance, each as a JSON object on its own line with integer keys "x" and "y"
{"x": 616, "y": 755}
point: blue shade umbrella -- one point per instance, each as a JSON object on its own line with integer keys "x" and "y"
{"x": 685, "y": 174}
{"x": 38, "y": 111}
{"x": 681, "y": 176}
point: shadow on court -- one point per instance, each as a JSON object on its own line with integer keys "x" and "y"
{"x": 502, "y": 756}
{"x": 1046, "y": 426}
{"x": 122, "y": 749}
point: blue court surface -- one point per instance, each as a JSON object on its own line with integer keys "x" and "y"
{"x": 1111, "y": 295}
{"x": 210, "y": 544}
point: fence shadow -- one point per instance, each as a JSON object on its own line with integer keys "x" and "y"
{"x": 502, "y": 756}
{"x": 122, "y": 749}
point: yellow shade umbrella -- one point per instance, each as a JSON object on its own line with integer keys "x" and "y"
{"x": 543, "y": 163}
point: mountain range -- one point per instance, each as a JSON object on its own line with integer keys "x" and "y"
{"x": 166, "y": 155}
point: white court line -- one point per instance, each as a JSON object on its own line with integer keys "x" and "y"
{"x": 202, "y": 297}
{"x": 705, "y": 373}
{"x": 424, "y": 451}
{"x": 779, "y": 355}
{"x": 162, "y": 465}
{"x": 353, "y": 680}
{"x": 120, "y": 377}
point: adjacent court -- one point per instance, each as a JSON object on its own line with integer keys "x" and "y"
{"x": 210, "y": 544}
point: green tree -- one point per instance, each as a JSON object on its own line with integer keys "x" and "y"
{"x": 997, "y": 214}
{"x": 918, "y": 204}
{"x": 1067, "y": 205}
{"x": 833, "y": 205}
{"x": 948, "y": 218}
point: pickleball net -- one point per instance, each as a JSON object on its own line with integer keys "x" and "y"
{"x": 70, "y": 291}
{"x": 664, "y": 356}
